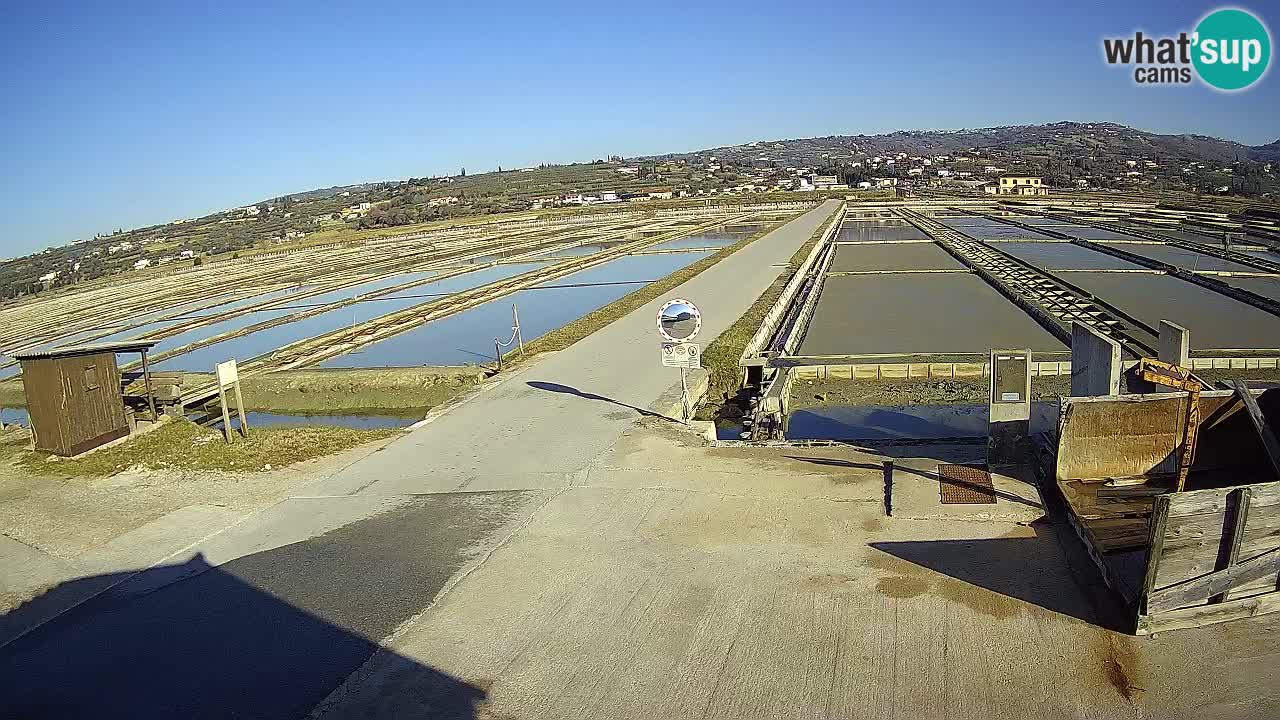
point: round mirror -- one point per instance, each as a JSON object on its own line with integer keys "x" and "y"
{"x": 679, "y": 320}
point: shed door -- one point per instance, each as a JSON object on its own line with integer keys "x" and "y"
{"x": 94, "y": 397}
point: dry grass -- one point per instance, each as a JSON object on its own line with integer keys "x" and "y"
{"x": 183, "y": 445}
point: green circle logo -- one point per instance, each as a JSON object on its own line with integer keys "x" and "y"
{"x": 1232, "y": 49}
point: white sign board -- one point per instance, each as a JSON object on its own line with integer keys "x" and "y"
{"x": 681, "y": 355}
{"x": 227, "y": 373}
{"x": 679, "y": 321}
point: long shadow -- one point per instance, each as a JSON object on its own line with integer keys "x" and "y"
{"x": 835, "y": 462}
{"x": 1042, "y": 571}
{"x": 266, "y": 635}
{"x": 558, "y": 388}
{"x": 229, "y": 650}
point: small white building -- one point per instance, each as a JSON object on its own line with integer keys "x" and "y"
{"x": 143, "y": 263}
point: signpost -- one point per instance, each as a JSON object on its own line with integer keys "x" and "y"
{"x": 229, "y": 378}
{"x": 680, "y": 321}
{"x": 682, "y": 355}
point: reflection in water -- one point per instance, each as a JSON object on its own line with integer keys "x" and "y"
{"x": 467, "y": 337}
{"x": 903, "y": 422}
{"x": 363, "y": 421}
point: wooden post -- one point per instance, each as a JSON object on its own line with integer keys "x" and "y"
{"x": 146, "y": 379}
{"x": 1155, "y": 547}
{"x": 1269, "y": 443}
{"x": 1229, "y": 553}
{"x": 244, "y": 422}
{"x": 515, "y": 318}
{"x": 226, "y": 416}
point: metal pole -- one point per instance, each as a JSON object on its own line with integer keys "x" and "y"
{"x": 887, "y": 466}
{"x": 684, "y": 398}
{"x": 497, "y": 351}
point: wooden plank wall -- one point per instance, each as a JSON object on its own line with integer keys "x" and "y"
{"x": 74, "y": 402}
{"x": 99, "y": 409}
{"x": 42, "y": 384}
{"x": 1129, "y": 435}
{"x": 1215, "y": 556}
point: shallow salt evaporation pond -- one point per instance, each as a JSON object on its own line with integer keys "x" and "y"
{"x": 467, "y": 337}
{"x": 264, "y": 341}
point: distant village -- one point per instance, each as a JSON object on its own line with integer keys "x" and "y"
{"x": 802, "y": 166}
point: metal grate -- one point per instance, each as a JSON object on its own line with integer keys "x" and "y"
{"x": 965, "y": 485}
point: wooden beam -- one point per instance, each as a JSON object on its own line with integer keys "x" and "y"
{"x": 1229, "y": 552}
{"x": 1202, "y": 615}
{"x": 1259, "y": 424}
{"x": 1122, "y": 493}
{"x": 1201, "y": 588}
{"x": 1159, "y": 519}
{"x": 146, "y": 379}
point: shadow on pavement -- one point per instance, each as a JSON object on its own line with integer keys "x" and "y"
{"x": 1038, "y": 570}
{"x": 210, "y": 646}
{"x": 902, "y": 469}
{"x": 558, "y": 388}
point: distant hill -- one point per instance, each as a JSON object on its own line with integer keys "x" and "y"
{"x": 1104, "y": 156}
{"x": 1265, "y": 153}
{"x": 1060, "y": 139}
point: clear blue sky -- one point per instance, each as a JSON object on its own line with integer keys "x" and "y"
{"x": 124, "y": 114}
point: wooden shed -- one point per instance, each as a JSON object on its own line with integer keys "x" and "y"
{"x": 1208, "y": 554}
{"x": 74, "y": 397}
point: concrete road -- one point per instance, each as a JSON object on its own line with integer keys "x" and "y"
{"x": 266, "y": 618}
{"x": 547, "y": 423}
{"x": 677, "y": 581}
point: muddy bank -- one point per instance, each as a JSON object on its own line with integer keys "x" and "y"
{"x": 965, "y": 390}
{"x": 302, "y": 391}
{"x": 919, "y": 391}
{"x": 331, "y": 391}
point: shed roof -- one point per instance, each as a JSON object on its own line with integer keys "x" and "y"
{"x": 90, "y": 349}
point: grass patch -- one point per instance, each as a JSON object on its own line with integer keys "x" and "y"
{"x": 721, "y": 357}
{"x": 811, "y": 393}
{"x": 593, "y": 321}
{"x": 183, "y": 445}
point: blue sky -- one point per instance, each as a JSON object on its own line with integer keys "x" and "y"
{"x": 128, "y": 114}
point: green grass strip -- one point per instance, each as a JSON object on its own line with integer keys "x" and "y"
{"x": 721, "y": 357}
{"x": 593, "y": 321}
